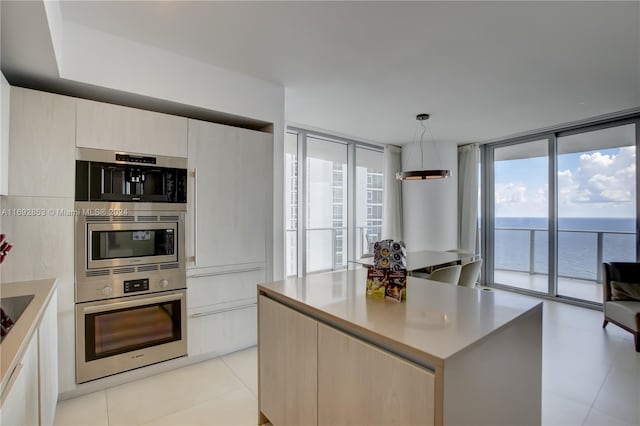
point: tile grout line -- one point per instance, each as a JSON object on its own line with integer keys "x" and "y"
{"x": 106, "y": 402}
{"x": 204, "y": 401}
{"x": 592, "y": 406}
{"x": 237, "y": 376}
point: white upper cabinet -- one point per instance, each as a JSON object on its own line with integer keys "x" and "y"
{"x": 42, "y": 144}
{"x": 118, "y": 128}
{"x": 230, "y": 195}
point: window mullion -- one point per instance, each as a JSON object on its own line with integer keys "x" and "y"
{"x": 553, "y": 215}
{"x": 302, "y": 204}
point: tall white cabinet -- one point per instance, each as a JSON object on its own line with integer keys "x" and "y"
{"x": 230, "y": 211}
{"x": 42, "y": 183}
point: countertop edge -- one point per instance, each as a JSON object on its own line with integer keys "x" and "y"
{"x": 412, "y": 354}
{"x": 15, "y": 343}
{"x": 419, "y": 356}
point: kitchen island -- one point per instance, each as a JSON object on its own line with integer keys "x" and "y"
{"x": 329, "y": 355}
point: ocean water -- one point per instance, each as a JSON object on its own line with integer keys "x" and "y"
{"x": 577, "y": 244}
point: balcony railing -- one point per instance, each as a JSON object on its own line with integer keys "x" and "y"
{"x": 580, "y": 251}
{"x": 330, "y": 253}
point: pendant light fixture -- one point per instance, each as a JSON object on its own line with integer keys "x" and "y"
{"x": 423, "y": 174}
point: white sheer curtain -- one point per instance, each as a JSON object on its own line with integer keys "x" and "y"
{"x": 468, "y": 165}
{"x": 392, "y": 204}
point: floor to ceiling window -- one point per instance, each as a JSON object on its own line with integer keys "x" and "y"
{"x": 369, "y": 183}
{"x": 291, "y": 202}
{"x": 338, "y": 215}
{"x": 521, "y": 215}
{"x": 557, "y": 205}
{"x": 326, "y": 219}
{"x": 596, "y": 206}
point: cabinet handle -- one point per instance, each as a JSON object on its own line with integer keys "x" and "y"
{"x": 14, "y": 376}
{"x": 195, "y": 216}
{"x": 219, "y": 311}
{"x": 234, "y": 271}
{"x": 106, "y": 307}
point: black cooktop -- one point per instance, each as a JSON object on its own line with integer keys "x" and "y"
{"x": 10, "y": 310}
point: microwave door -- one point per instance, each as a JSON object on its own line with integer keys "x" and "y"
{"x": 128, "y": 244}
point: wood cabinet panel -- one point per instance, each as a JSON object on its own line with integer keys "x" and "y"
{"x": 229, "y": 210}
{"x": 361, "y": 384}
{"x": 114, "y": 127}
{"x": 215, "y": 331}
{"x": 45, "y": 246}
{"x": 41, "y": 144}
{"x": 222, "y": 288}
{"x": 288, "y": 350}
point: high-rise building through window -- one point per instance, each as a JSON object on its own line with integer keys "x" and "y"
{"x": 327, "y": 240}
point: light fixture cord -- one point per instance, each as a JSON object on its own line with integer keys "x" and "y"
{"x": 424, "y": 129}
{"x": 433, "y": 141}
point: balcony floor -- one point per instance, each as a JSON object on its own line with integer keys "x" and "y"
{"x": 578, "y": 289}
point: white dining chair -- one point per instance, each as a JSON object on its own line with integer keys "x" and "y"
{"x": 448, "y": 274}
{"x": 470, "y": 273}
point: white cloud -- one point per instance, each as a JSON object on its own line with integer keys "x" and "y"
{"x": 511, "y": 193}
{"x": 600, "y": 178}
{"x": 516, "y": 199}
{"x": 600, "y": 185}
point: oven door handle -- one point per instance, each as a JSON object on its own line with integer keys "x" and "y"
{"x": 132, "y": 303}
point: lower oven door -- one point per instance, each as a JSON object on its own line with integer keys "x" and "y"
{"x": 121, "y": 334}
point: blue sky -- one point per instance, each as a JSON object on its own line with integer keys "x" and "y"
{"x": 597, "y": 183}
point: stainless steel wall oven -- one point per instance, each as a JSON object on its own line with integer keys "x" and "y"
{"x": 130, "y": 277}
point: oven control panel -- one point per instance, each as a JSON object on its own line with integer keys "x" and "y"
{"x": 132, "y": 286}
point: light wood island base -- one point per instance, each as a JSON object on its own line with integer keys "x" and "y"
{"x": 328, "y": 355}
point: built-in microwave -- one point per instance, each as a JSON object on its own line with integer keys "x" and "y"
{"x": 112, "y": 244}
{"x": 124, "y": 177}
{"x": 123, "y": 249}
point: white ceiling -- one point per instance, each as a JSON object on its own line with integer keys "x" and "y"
{"x": 483, "y": 70}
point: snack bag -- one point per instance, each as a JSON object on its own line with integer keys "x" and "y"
{"x": 396, "y": 285}
{"x": 376, "y": 282}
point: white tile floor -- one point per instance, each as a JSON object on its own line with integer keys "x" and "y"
{"x": 590, "y": 377}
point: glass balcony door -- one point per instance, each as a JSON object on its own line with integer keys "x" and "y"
{"x": 596, "y": 207}
{"x": 327, "y": 184}
{"x": 368, "y": 203}
{"x": 521, "y": 216}
{"x": 557, "y": 207}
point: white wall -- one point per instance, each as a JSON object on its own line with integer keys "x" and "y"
{"x": 430, "y": 207}
{"x": 54, "y": 20}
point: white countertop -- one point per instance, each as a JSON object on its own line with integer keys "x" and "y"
{"x": 15, "y": 342}
{"x": 437, "y": 321}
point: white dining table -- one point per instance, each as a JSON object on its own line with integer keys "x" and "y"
{"x": 426, "y": 260}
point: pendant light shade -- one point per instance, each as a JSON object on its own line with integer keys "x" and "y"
{"x": 423, "y": 174}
